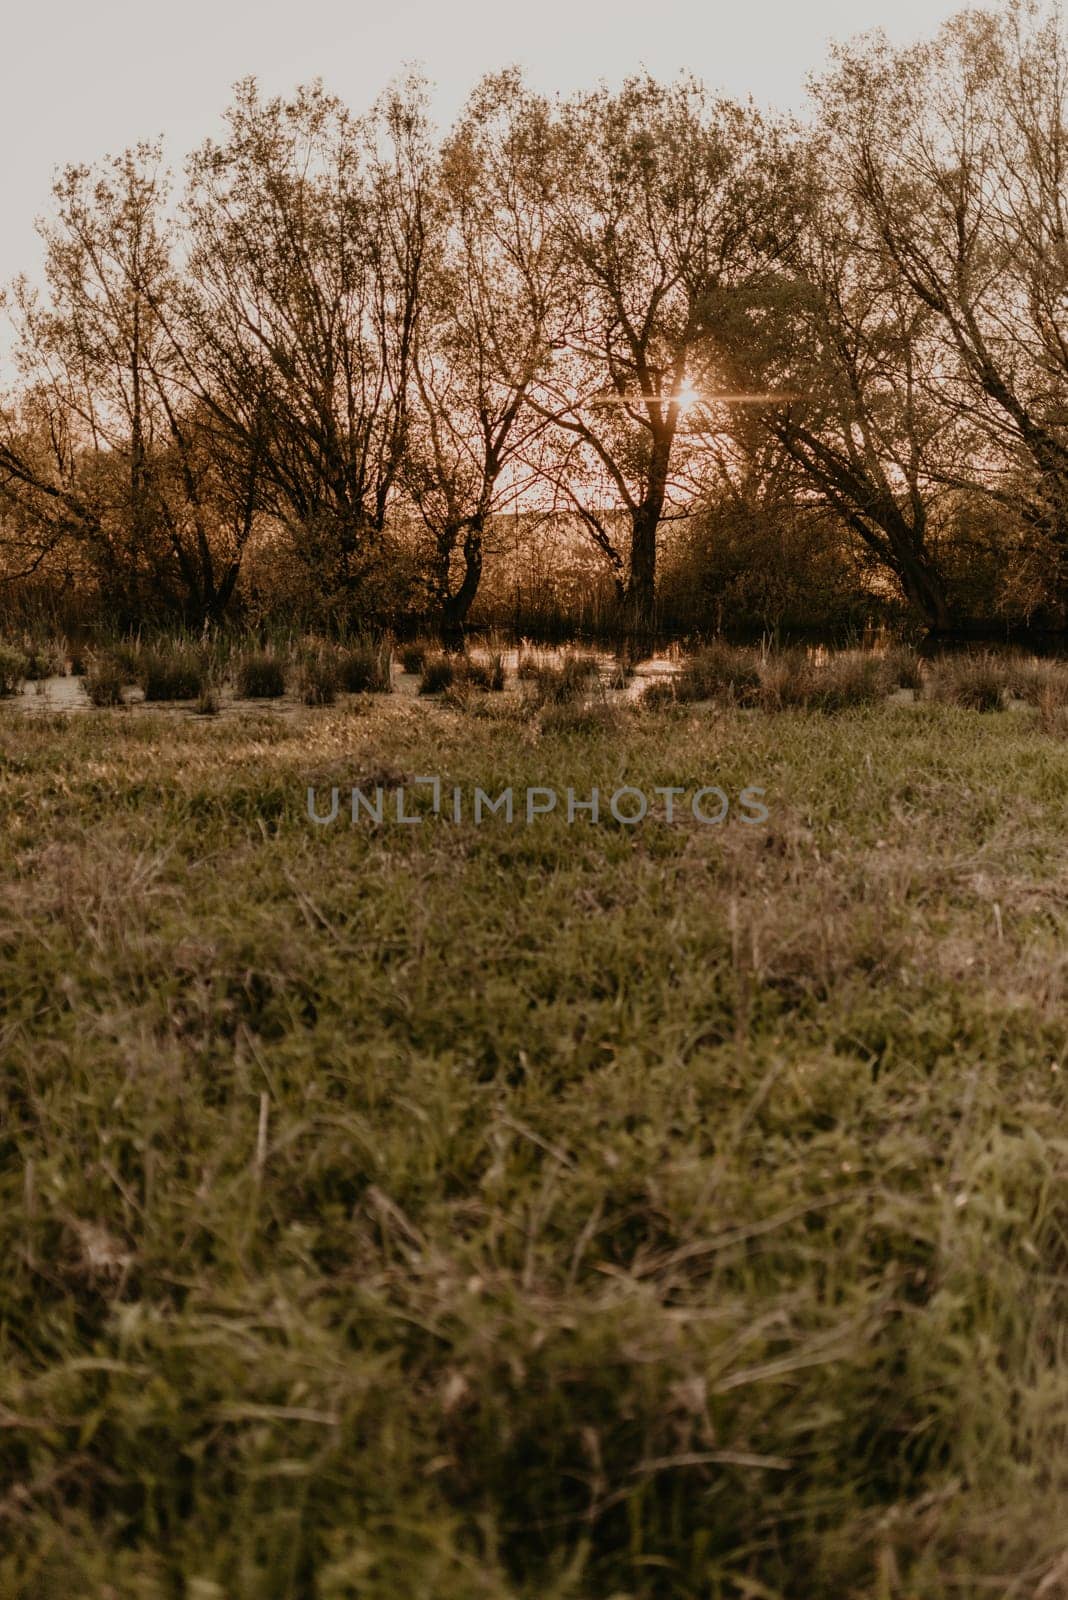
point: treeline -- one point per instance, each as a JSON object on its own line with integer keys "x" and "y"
{"x": 749, "y": 367}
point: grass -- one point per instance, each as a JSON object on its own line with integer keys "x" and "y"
{"x": 171, "y": 672}
{"x": 564, "y": 682}
{"x": 442, "y": 671}
{"x": 902, "y": 669}
{"x": 13, "y": 670}
{"x": 720, "y": 670}
{"x": 438, "y": 672}
{"x": 105, "y": 680}
{"x": 792, "y": 679}
{"x": 319, "y": 676}
{"x": 260, "y": 675}
{"x": 45, "y": 658}
{"x": 520, "y": 1211}
{"x": 978, "y": 682}
{"x": 413, "y": 654}
{"x": 365, "y": 667}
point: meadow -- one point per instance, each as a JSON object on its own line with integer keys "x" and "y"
{"x": 589, "y": 1211}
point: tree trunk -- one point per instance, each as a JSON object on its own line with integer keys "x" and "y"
{"x": 924, "y": 588}
{"x": 455, "y": 607}
{"x": 639, "y": 600}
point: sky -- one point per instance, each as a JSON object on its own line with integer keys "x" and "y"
{"x": 79, "y": 81}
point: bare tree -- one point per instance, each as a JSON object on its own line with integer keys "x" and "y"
{"x": 867, "y": 422}
{"x": 956, "y": 153}
{"x": 307, "y": 235}
{"x": 481, "y": 337}
{"x": 666, "y": 206}
{"x": 103, "y": 448}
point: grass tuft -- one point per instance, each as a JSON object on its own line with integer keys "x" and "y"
{"x": 260, "y": 675}
{"x": 978, "y": 682}
{"x": 13, "y": 670}
{"x": 171, "y": 672}
{"x": 104, "y": 680}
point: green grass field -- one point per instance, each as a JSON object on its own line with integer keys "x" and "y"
{"x": 456, "y": 1213}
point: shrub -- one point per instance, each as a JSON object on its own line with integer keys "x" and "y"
{"x": 12, "y": 670}
{"x": 261, "y": 676}
{"x": 209, "y": 701}
{"x": 366, "y": 668}
{"x": 720, "y": 671}
{"x": 104, "y": 680}
{"x": 173, "y": 672}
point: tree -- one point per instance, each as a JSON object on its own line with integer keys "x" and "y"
{"x": 103, "y": 448}
{"x": 956, "y": 154}
{"x": 481, "y": 337}
{"x": 866, "y": 421}
{"x": 666, "y": 206}
{"x": 307, "y": 236}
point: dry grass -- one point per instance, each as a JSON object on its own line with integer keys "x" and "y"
{"x": 260, "y": 675}
{"x": 522, "y": 1211}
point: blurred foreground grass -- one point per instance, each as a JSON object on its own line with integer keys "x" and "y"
{"x": 448, "y": 1212}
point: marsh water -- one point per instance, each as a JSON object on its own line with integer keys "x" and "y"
{"x": 64, "y": 693}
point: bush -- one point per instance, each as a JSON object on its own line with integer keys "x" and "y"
{"x": 366, "y": 668}
{"x": 12, "y": 670}
{"x": 209, "y": 702}
{"x": 104, "y": 680}
{"x": 720, "y": 671}
{"x": 261, "y": 676}
{"x": 171, "y": 672}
